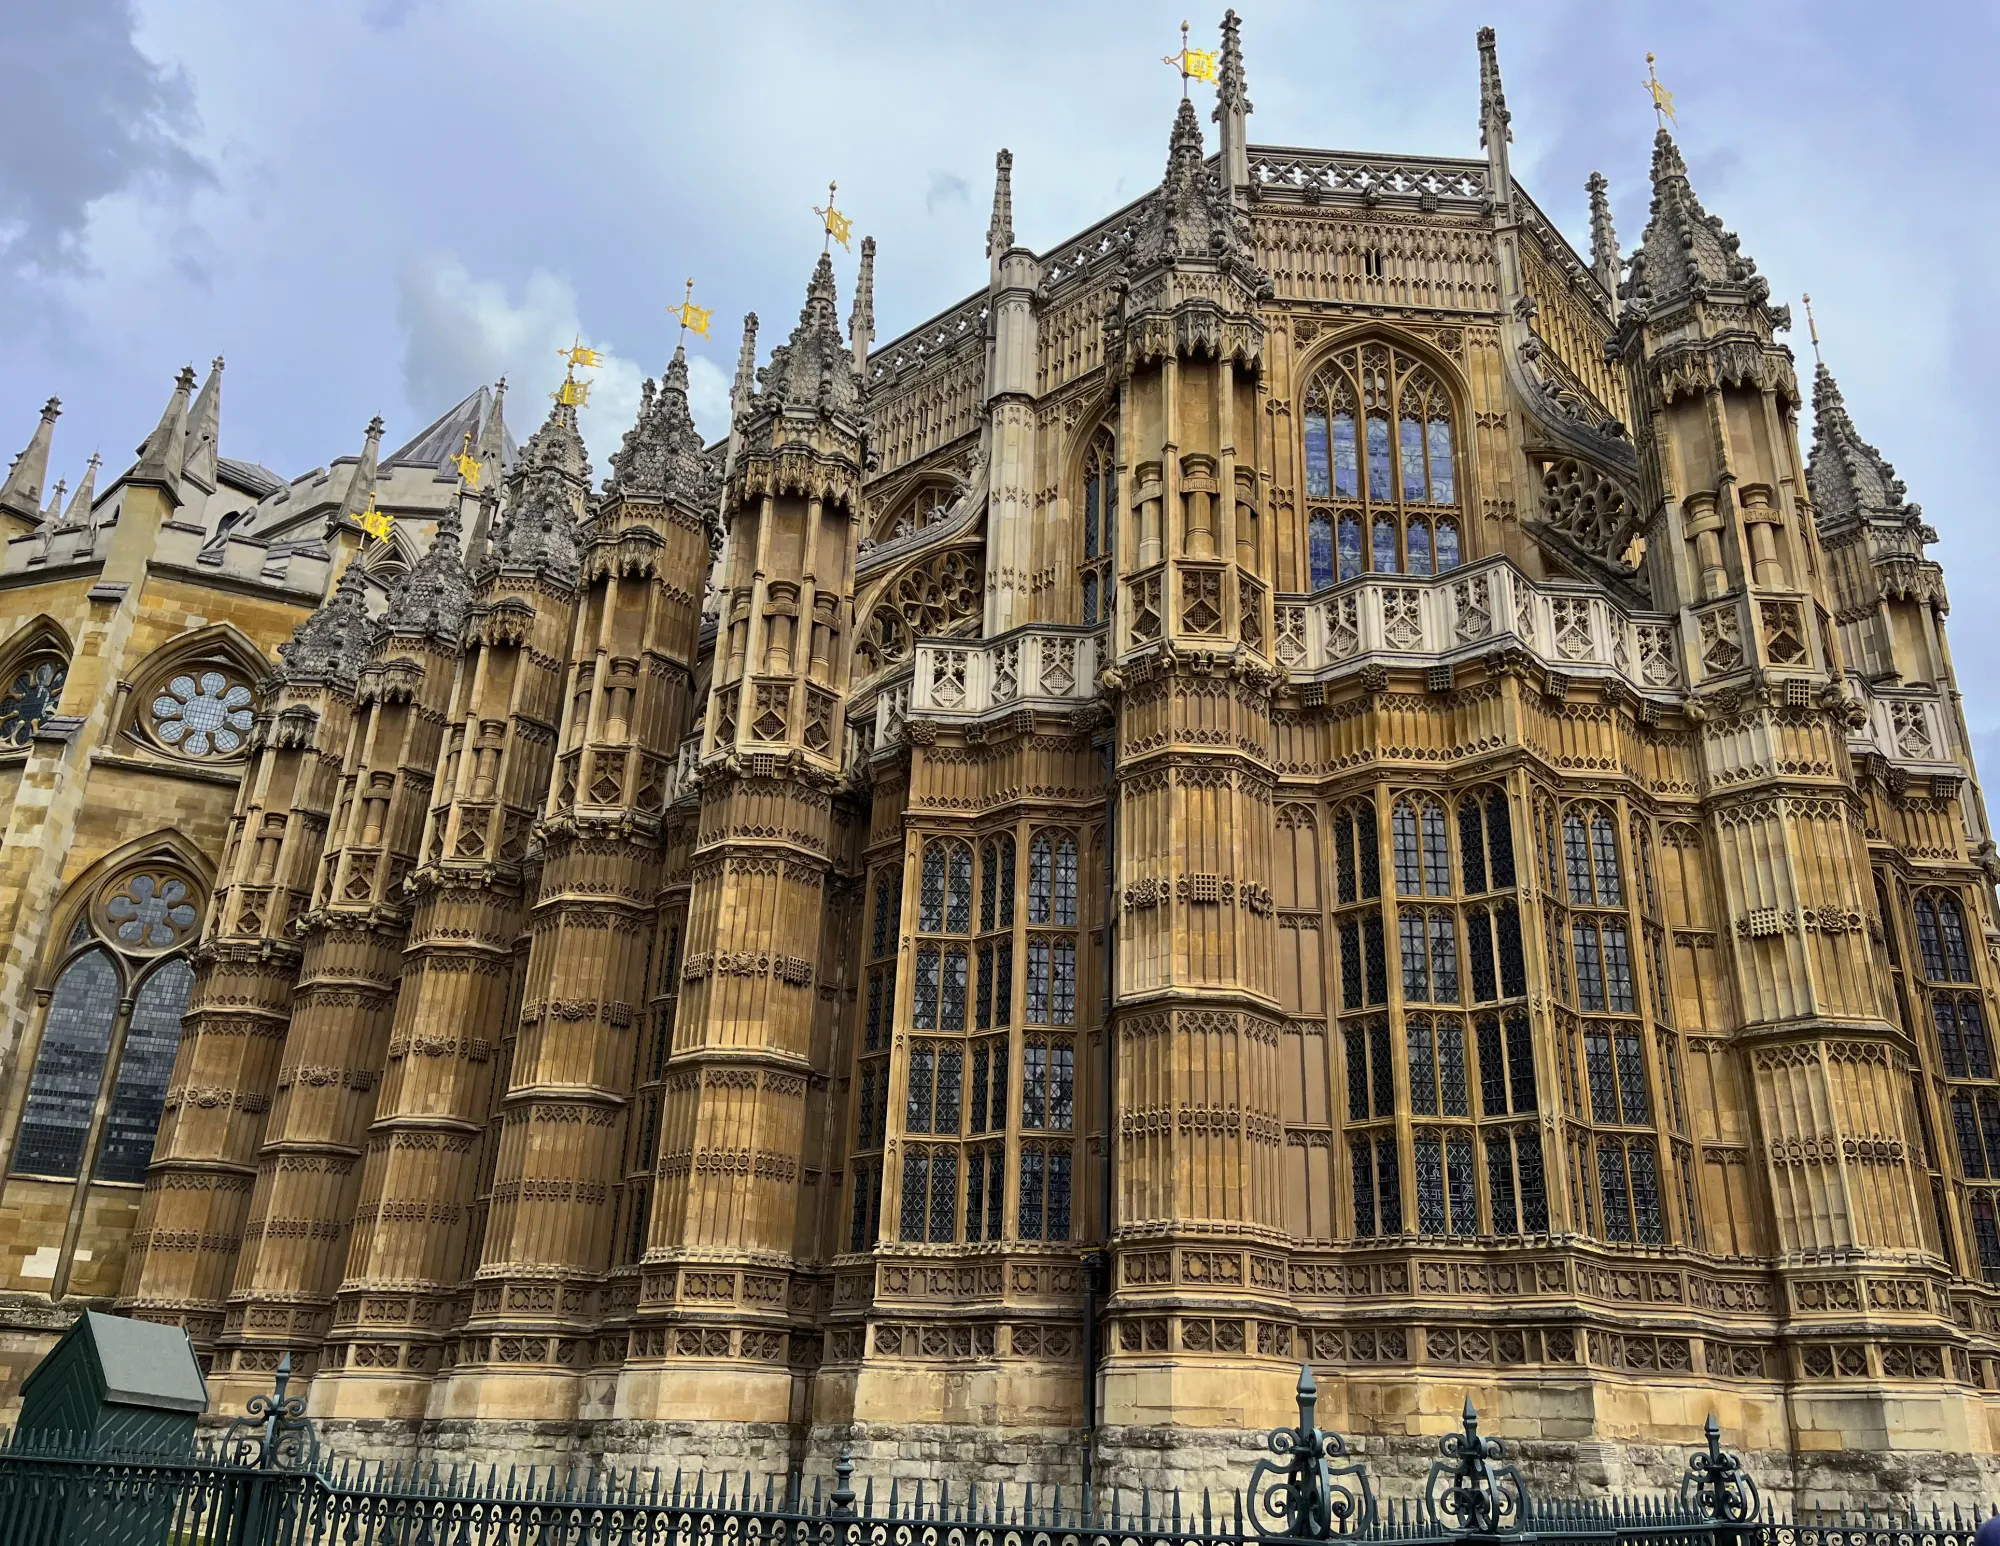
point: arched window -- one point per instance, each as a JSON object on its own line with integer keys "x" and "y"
{"x": 1590, "y": 858}
{"x": 1041, "y": 879}
{"x": 1379, "y": 437}
{"x": 129, "y": 938}
{"x": 1099, "y": 505}
{"x": 1485, "y": 842}
{"x": 197, "y": 705}
{"x": 1319, "y": 551}
{"x": 29, "y": 692}
{"x": 1422, "y": 850}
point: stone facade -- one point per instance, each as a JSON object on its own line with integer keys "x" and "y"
{"x": 1308, "y": 775}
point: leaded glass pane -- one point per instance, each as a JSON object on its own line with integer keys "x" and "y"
{"x": 1384, "y": 1076}
{"x": 1416, "y": 963}
{"x": 916, "y": 1192}
{"x": 1367, "y": 852}
{"x": 1534, "y": 1194}
{"x": 864, "y": 1110}
{"x": 1092, "y": 493}
{"x": 1500, "y": 840}
{"x": 997, "y": 1110}
{"x": 1500, "y": 1183}
{"x": 930, "y": 895}
{"x": 1964, "y": 1126}
{"x": 1058, "y": 1213}
{"x": 1430, "y": 1184}
{"x": 1444, "y": 958}
{"x": 1357, "y": 1075}
{"x": 1062, "y": 1010}
{"x": 1350, "y": 964}
{"x": 1951, "y": 924}
{"x": 982, "y": 999}
{"x": 1090, "y": 599}
{"x": 1576, "y": 858}
{"x": 1378, "y": 965}
{"x": 151, "y": 912}
{"x": 1350, "y": 546}
{"x": 1379, "y": 476}
{"x": 1589, "y": 970}
{"x": 1927, "y": 939}
{"x": 996, "y": 1191}
{"x": 923, "y": 1078}
{"x": 1423, "y": 1071}
{"x": 981, "y": 1063}
{"x": 1031, "y": 1193}
{"x": 958, "y": 890}
{"x": 1346, "y": 462}
{"x": 950, "y": 1066}
{"x": 975, "y": 1193}
{"x": 924, "y": 1010}
{"x": 1448, "y": 554}
{"x": 1617, "y": 970}
{"x": 1972, "y": 1029}
{"x": 1472, "y": 844}
{"x": 885, "y": 912}
{"x": 1417, "y": 538}
{"x": 76, "y": 1034}
{"x": 1444, "y": 487}
{"x": 1479, "y": 941}
{"x": 858, "y": 1239}
{"x": 1041, "y": 870}
{"x": 1521, "y": 1061}
{"x": 1319, "y": 457}
{"x": 1066, "y": 881}
{"x": 1006, "y": 882}
{"x": 1513, "y": 968}
{"x": 1389, "y": 1187}
{"x": 944, "y": 1195}
{"x": 1412, "y": 441}
{"x": 1404, "y": 846}
{"x": 1062, "y": 1086}
{"x": 989, "y": 882}
{"x": 1319, "y": 551}
{"x": 1603, "y": 1079}
{"x": 1035, "y": 1084}
{"x": 202, "y": 715}
{"x": 1492, "y": 1069}
{"x": 1003, "y": 983}
{"x": 1452, "y": 1094}
{"x": 1604, "y": 851}
{"x": 29, "y": 699}
{"x": 1611, "y": 1187}
{"x": 1437, "y": 850}
{"x": 952, "y": 1016}
{"x": 1632, "y": 1102}
{"x": 1646, "y": 1194}
{"x": 872, "y": 1032}
{"x": 1363, "y": 1162}
{"x": 1385, "y": 545}
{"x": 1343, "y": 857}
{"x": 1989, "y": 1127}
{"x": 1459, "y": 1176}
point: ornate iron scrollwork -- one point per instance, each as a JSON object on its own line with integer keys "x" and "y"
{"x": 273, "y": 1433}
{"x": 1716, "y": 1485}
{"x": 1301, "y": 1496}
{"x": 1472, "y": 1488}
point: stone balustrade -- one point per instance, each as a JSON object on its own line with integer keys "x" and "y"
{"x": 1046, "y": 667}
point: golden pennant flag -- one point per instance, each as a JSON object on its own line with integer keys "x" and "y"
{"x": 377, "y": 523}
{"x": 467, "y": 464}
{"x": 580, "y": 353}
{"x": 1663, "y": 99}
{"x": 694, "y": 319}
{"x": 838, "y": 226}
{"x": 1195, "y": 64}
{"x": 572, "y": 393}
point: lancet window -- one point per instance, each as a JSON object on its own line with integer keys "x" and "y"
{"x": 1098, "y": 507}
{"x": 1946, "y": 995}
{"x": 1381, "y": 469}
{"x": 111, "y": 1029}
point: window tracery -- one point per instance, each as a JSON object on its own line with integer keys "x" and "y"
{"x": 30, "y": 688}
{"x": 1381, "y": 468}
{"x": 112, "y": 1027}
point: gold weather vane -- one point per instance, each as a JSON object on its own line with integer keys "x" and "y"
{"x": 466, "y": 463}
{"x": 1195, "y": 64}
{"x": 377, "y": 523}
{"x": 574, "y": 393}
{"x": 1812, "y": 328}
{"x": 580, "y": 353}
{"x": 694, "y": 319}
{"x": 838, "y": 226}
{"x": 1663, "y": 99}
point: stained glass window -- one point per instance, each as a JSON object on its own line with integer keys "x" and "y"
{"x": 1346, "y": 462}
{"x": 1350, "y": 546}
{"x": 69, "y": 1069}
{"x": 30, "y": 698}
{"x": 150, "y": 1042}
{"x": 1319, "y": 454}
{"x": 1412, "y": 440}
{"x": 1385, "y": 545}
{"x": 1448, "y": 554}
{"x": 1418, "y": 539}
{"x": 1378, "y": 458}
{"x": 203, "y": 714}
{"x": 1444, "y": 487}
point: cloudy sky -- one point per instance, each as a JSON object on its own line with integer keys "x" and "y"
{"x": 371, "y": 206}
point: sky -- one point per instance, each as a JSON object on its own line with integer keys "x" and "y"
{"x": 373, "y": 206}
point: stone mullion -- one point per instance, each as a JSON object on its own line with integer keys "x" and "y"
{"x": 427, "y": 1144}
{"x": 309, "y": 1174}
{"x": 198, "y": 1188}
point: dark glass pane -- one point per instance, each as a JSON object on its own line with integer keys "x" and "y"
{"x": 1006, "y": 863}
{"x": 1576, "y": 858}
{"x": 1927, "y": 939}
{"x": 1472, "y": 845}
{"x": 1500, "y": 1183}
{"x": 1417, "y": 538}
{"x": 1632, "y": 1103}
{"x": 69, "y": 1068}
{"x": 989, "y": 882}
{"x": 1319, "y": 551}
{"x": 1062, "y": 1086}
{"x": 1521, "y": 1061}
{"x": 1092, "y": 492}
{"x": 1423, "y": 1072}
{"x": 1603, "y": 1079}
{"x": 958, "y": 895}
{"x": 916, "y": 1191}
{"x": 1437, "y": 850}
{"x": 1350, "y": 964}
{"x": 1035, "y": 1084}
{"x": 872, "y": 1032}
{"x": 1388, "y": 1186}
{"x": 1989, "y": 1126}
{"x": 858, "y": 1238}
{"x": 997, "y": 1118}
{"x": 1031, "y": 1193}
{"x": 1379, "y": 477}
{"x": 982, "y": 1061}
{"x": 930, "y": 896}
{"x": 1066, "y": 881}
{"x": 864, "y": 1110}
{"x": 1430, "y": 1184}
{"x": 975, "y": 1193}
{"x": 1404, "y": 849}
{"x": 1589, "y": 971}
{"x": 1416, "y": 963}
{"x": 1063, "y": 1005}
{"x": 1003, "y": 983}
{"x": 1350, "y": 546}
{"x": 1951, "y": 924}
{"x": 1357, "y": 1075}
{"x": 1479, "y": 941}
{"x": 996, "y": 1190}
{"x": 1972, "y": 1029}
{"x": 1513, "y": 969}
{"x": 1058, "y": 1211}
{"x": 1611, "y": 1188}
{"x": 1383, "y": 1074}
{"x": 923, "y": 1077}
{"x": 1448, "y": 555}
{"x": 1343, "y": 857}
{"x": 950, "y": 1068}
{"x": 1363, "y": 1164}
{"x": 1041, "y": 880}
{"x": 1319, "y": 455}
{"x": 1646, "y": 1194}
{"x": 1500, "y": 840}
{"x": 944, "y": 1195}
{"x": 1604, "y": 853}
{"x": 952, "y": 1017}
{"x": 1965, "y": 1128}
{"x": 1378, "y": 965}
{"x": 1346, "y": 463}
{"x": 885, "y": 909}
{"x": 924, "y": 1010}
{"x": 1534, "y": 1194}
{"x": 1452, "y": 1095}
{"x": 1492, "y": 1069}
{"x": 1038, "y": 982}
{"x": 1370, "y": 855}
{"x": 1617, "y": 970}
{"x": 1444, "y": 958}
{"x": 982, "y": 1014}
{"x": 29, "y": 699}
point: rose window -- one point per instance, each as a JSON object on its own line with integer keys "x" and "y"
{"x": 29, "y": 699}
{"x": 151, "y": 912}
{"x": 200, "y": 716}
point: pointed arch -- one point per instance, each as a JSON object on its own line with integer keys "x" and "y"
{"x": 34, "y": 665}
{"x": 193, "y": 699}
{"x": 164, "y": 851}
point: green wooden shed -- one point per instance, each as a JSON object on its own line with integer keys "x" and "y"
{"x": 117, "y": 1384}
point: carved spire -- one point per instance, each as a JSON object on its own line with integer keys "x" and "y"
{"x": 745, "y": 385}
{"x": 660, "y": 457}
{"x": 1232, "y": 106}
{"x": 813, "y": 369}
{"x": 430, "y": 600}
{"x": 52, "y": 511}
{"x": 492, "y": 447}
{"x": 1850, "y": 481}
{"x": 78, "y": 513}
{"x": 164, "y": 452}
{"x": 22, "y": 492}
{"x": 1685, "y": 253}
{"x": 1000, "y": 227}
{"x": 1603, "y": 238}
{"x": 1494, "y": 120}
{"x": 204, "y": 429}
{"x": 361, "y": 486}
{"x": 536, "y": 533}
{"x": 861, "y": 321}
{"x": 332, "y": 644}
{"x": 1191, "y": 217}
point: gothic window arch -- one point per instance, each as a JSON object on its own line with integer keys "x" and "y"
{"x": 112, "y": 1024}
{"x": 195, "y": 701}
{"x": 1382, "y": 468}
{"x": 1097, "y": 508}
{"x": 32, "y": 674}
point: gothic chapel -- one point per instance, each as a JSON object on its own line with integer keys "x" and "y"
{"x": 1307, "y": 776}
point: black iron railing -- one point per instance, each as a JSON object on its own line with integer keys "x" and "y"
{"x": 266, "y": 1483}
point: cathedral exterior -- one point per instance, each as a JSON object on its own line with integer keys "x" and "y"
{"x": 1308, "y": 775}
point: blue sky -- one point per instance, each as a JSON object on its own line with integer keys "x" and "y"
{"x": 370, "y": 206}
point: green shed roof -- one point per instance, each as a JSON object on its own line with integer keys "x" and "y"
{"x": 137, "y": 1363}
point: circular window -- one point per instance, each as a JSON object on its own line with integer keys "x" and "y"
{"x": 203, "y": 715}
{"x": 149, "y": 910}
{"x": 29, "y": 699}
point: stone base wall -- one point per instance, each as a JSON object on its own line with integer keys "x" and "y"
{"x": 1162, "y": 1459}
